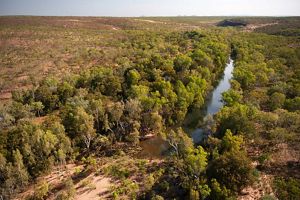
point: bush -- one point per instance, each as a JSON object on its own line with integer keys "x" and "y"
{"x": 70, "y": 188}
{"x": 233, "y": 170}
{"x": 157, "y": 197}
{"x": 127, "y": 187}
{"x": 117, "y": 172}
{"x": 268, "y": 197}
{"x": 41, "y": 191}
{"x": 288, "y": 189}
{"x": 263, "y": 158}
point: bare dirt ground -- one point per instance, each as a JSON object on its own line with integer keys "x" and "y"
{"x": 54, "y": 179}
{"x": 149, "y": 21}
{"x": 252, "y": 27}
{"x": 284, "y": 161}
{"x": 99, "y": 187}
{"x": 259, "y": 189}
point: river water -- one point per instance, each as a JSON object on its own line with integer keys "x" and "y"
{"x": 154, "y": 147}
{"x": 213, "y": 105}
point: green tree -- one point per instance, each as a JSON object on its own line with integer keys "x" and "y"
{"x": 154, "y": 122}
{"x": 200, "y": 58}
{"x": 237, "y": 118}
{"x": 115, "y": 111}
{"x": 231, "y": 142}
{"x": 85, "y": 123}
{"x": 293, "y": 104}
{"x": 47, "y": 96}
{"x": 218, "y": 192}
{"x": 133, "y": 77}
{"x": 19, "y": 111}
{"x": 244, "y": 76}
{"x": 139, "y": 92}
{"x": 133, "y": 109}
{"x": 65, "y": 90}
{"x": 231, "y": 97}
{"x": 21, "y": 173}
{"x": 182, "y": 62}
{"x": 233, "y": 170}
{"x": 197, "y": 86}
{"x": 196, "y": 160}
{"x": 37, "y": 107}
{"x": 179, "y": 141}
{"x": 276, "y": 100}
{"x": 98, "y": 111}
{"x": 41, "y": 191}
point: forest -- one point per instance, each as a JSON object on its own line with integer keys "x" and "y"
{"x": 107, "y": 92}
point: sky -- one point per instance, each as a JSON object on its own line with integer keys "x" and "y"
{"x": 127, "y": 8}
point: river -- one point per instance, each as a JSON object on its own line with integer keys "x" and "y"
{"x": 154, "y": 147}
{"x": 213, "y": 105}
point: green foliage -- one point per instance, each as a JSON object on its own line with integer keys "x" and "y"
{"x": 46, "y": 95}
{"x": 236, "y": 118}
{"x": 267, "y": 197}
{"x": 144, "y": 82}
{"x": 157, "y": 197}
{"x": 182, "y": 63}
{"x": 179, "y": 141}
{"x": 231, "y": 97}
{"x": 231, "y": 142}
{"x": 219, "y": 192}
{"x": 41, "y": 191}
{"x": 276, "y": 100}
{"x": 133, "y": 77}
{"x": 21, "y": 172}
{"x": 201, "y": 58}
{"x": 117, "y": 172}
{"x": 287, "y": 188}
{"x": 80, "y": 125}
{"x": 149, "y": 182}
{"x": 196, "y": 160}
{"x": 90, "y": 162}
{"x": 293, "y": 104}
{"x": 128, "y": 188}
{"x": 154, "y": 122}
{"x": 233, "y": 170}
{"x": 37, "y": 107}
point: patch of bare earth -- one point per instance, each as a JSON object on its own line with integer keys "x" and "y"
{"x": 54, "y": 179}
{"x": 261, "y": 188}
{"x": 5, "y": 95}
{"x": 252, "y": 27}
{"x": 98, "y": 187}
{"x": 39, "y": 120}
{"x": 285, "y": 161}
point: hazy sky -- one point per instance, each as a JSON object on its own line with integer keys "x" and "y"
{"x": 150, "y": 7}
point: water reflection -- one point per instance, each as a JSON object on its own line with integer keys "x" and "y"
{"x": 156, "y": 146}
{"x": 153, "y": 147}
{"x": 213, "y": 105}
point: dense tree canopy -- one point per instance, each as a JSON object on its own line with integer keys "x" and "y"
{"x": 159, "y": 79}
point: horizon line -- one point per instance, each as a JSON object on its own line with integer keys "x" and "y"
{"x": 21, "y": 15}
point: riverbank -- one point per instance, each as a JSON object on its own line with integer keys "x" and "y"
{"x": 212, "y": 106}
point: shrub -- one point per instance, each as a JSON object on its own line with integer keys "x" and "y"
{"x": 288, "y": 189}
{"x": 268, "y": 197}
{"x": 117, "y": 172}
{"x": 41, "y": 191}
{"x": 233, "y": 170}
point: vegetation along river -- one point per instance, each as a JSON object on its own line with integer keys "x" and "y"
{"x": 155, "y": 146}
{"x": 213, "y": 105}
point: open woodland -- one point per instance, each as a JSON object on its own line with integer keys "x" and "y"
{"x": 97, "y": 108}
